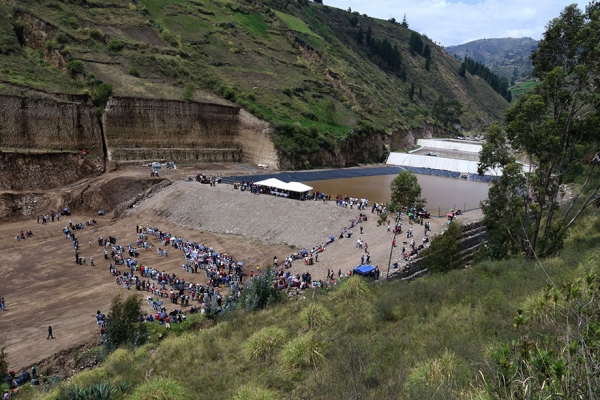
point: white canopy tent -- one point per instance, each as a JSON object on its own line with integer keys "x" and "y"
{"x": 295, "y": 187}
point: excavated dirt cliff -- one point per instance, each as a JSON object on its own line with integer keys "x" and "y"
{"x": 153, "y": 129}
{"x": 28, "y": 123}
{"x": 41, "y": 171}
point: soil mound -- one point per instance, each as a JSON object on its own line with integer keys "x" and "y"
{"x": 221, "y": 209}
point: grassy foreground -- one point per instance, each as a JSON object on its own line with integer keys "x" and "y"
{"x": 431, "y": 338}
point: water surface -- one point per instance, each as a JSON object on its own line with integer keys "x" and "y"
{"x": 442, "y": 194}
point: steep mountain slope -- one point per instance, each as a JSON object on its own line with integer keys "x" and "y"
{"x": 312, "y": 71}
{"x": 507, "y": 57}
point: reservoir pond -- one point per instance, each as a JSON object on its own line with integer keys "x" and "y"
{"x": 442, "y": 193}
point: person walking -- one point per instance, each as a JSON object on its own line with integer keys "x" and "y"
{"x": 50, "y": 333}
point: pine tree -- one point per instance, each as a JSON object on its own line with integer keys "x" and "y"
{"x": 411, "y": 91}
{"x": 404, "y": 21}
{"x": 369, "y": 35}
{"x": 360, "y": 36}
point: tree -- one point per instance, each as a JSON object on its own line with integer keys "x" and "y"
{"x": 188, "y": 93}
{"x": 75, "y": 67}
{"x": 427, "y": 51}
{"x": 411, "y": 91}
{"x": 555, "y": 128}
{"x": 406, "y": 191}
{"x": 318, "y": 1}
{"x": 462, "y": 70}
{"x": 329, "y": 112}
{"x": 368, "y": 35}
{"x": 404, "y": 21}
{"x": 123, "y": 325}
{"x": 444, "y": 253}
{"x": 101, "y": 94}
{"x": 3, "y": 362}
{"x": 415, "y": 43}
{"x": 360, "y": 36}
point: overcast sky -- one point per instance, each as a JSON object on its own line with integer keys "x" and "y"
{"x": 453, "y": 22}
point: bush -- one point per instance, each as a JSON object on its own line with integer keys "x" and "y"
{"x": 354, "y": 287}
{"x": 114, "y": 45}
{"x": 303, "y": 351}
{"x": 260, "y": 292}
{"x": 133, "y": 71}
{"x": 314, "y": 316}
{"x": 101, "y": 94}
{"x": 75, "y": 67}
{"x": 97, "y": 34}
{"x": 188, "y": 93}
{"x": 263, "y": 343}
{"x": 228, "y": 93}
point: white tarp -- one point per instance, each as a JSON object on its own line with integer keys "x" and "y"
{"x": 440, "y": 163}
{"x": 449, "y": 145}
{"x": 292, "y": 186}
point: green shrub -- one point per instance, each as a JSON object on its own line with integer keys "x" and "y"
{"x": 133, "y": 71}
{"x": 304, "y": 351}
{"x": 263, "y": 343}
{"x": 314, "y": 315}
{"x": 75, "y": 67}
{"x": 101, "y": 94}
{"x": 354, "y": 287}
{"x": 228, "y": 93}
{"x": 97, "y": 34}
{"x": 188, "y": 93}
{"x": 115, "y": 45}
{"x": 260, "y": 292}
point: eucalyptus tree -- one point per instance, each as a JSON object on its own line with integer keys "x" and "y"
{"x": 556, "y": 129}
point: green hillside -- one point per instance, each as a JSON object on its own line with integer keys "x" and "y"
{"x": 286, "y": 62}
{"x": 507, "y": 57}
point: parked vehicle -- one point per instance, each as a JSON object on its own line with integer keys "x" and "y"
{"x": 420, "y": 212}
{"x": 431, "y": 153}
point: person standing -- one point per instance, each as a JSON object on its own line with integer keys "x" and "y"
{"x": 50, "y": 333}
{"x": 2, "y": 303}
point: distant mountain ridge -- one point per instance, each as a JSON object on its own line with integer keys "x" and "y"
{"x": 507, "y": 57}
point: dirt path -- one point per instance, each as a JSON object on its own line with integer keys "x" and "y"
{"x": 44, "y": 286}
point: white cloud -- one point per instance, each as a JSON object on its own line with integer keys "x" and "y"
{"x": 456, "y": 22}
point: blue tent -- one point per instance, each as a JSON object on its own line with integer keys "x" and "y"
{"x": 363, "y": 270}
